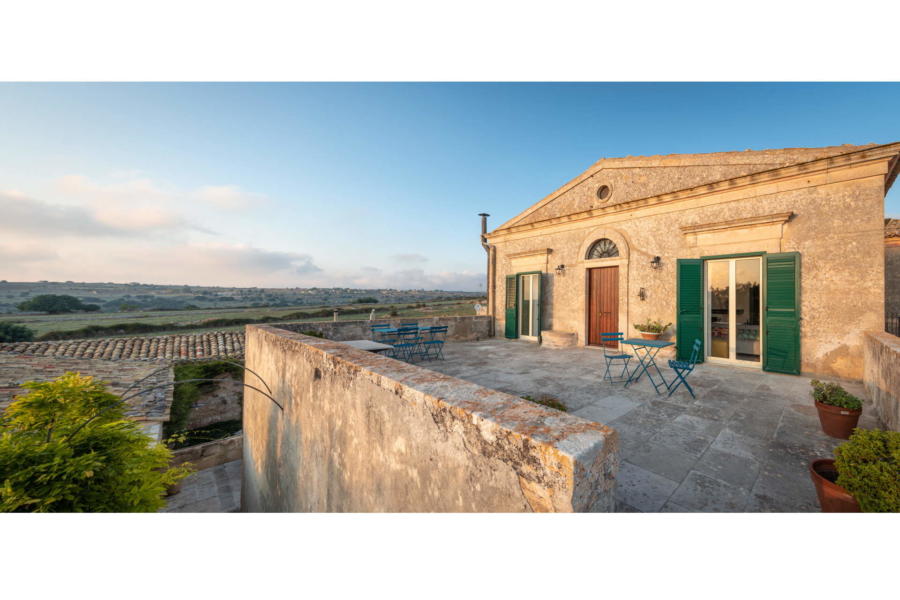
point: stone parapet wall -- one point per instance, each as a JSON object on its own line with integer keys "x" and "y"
{"x": 210, "y": 454}
{"x": 460, "y": 329}
{"x": 882, "y": 376}
{"x": 360, "y": 432}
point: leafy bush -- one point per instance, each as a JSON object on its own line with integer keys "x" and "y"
{"x": 53, "y": 304}
{"x": 834, "y": 395}
{"x": 10, "y": 332}
{"x": 186, "y": 394}
{"x": 214, "y": 431}
{"x": 652, "y": 326}
{"x": 868, "y": 467}
{"x": 548, "y": 401}
{"x": 67, "y": 447}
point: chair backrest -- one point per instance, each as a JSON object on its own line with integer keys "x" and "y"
{"x": 695, "y": 352}
{"x": 409, "y": 323}
{"x": 439, "y": 332}
{"x": 616, "y": 336}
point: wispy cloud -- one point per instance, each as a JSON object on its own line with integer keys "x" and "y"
{"x": 229, "y": 197}
{"x": 409, "y": 258}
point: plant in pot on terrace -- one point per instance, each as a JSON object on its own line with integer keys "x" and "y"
{"x": 864, "y": 475}
{"x": 651, "y": 330}
{"x": 838, "y": 410}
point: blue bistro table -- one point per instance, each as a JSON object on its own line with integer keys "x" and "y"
{"x": 645, "y": 351}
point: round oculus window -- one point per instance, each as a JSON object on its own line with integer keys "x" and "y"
{"x": 603, "y": 192}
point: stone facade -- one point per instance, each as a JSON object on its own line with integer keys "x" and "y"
{"x": 892, "y": 267}
{"x": 361, "y": 432}
{"x": 459, "y": 329}
{"x": 221, "y": 403}
{"x": 882, "y": 376}
{"x": 825, "y": 203}
{"x": 210, "y": 454}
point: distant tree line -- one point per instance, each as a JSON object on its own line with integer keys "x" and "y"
{"x": 55, "y": 304}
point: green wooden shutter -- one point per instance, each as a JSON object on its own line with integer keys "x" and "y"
{"x": 512, "y": 306}
{"x": 689, "y": 319}
{"x": 781, "y": 340}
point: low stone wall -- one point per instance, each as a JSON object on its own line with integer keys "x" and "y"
{"x": 881, "y": 375}
{"x": 360, "y": 432}
{"x": 221, "y": 403}
{"x": 210, "y": 454}
{"x": 460, "y": 329}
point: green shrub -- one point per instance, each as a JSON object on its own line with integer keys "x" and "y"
{"x": 652, "y": 326}
{"x": 10, "y": 332}
{"x": 548, "y": 401}
{"x": 868, "y": 467}
{"x": 313, "y": 333}
{"x": 186, "y": 394}
{"x": 834, "y": 395}
{"x": 67, "y": 447}
{"x": 53, "y": 304}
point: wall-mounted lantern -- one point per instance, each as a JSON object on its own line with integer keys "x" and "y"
{"x": 642, "y": 294}
{"x": 656, "y": 263}
{"x": 560, "y": 269}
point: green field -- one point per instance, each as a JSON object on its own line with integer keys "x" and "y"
{"x": 42, "y": 324}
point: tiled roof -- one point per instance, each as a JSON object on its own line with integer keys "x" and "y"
{"x": 213, "y": 344}
{"x": 153, "y": 405}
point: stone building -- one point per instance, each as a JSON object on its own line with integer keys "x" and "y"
{"x": 892, "y": 267}
{"x": 774, "y": 259}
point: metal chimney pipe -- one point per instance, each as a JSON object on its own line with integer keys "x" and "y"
{"x": 490, "y": 269}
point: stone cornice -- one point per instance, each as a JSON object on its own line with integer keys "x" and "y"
{"x": 541, "y": 252}
{"x": 824, "y": 165}
{"x": 777, "y": 218}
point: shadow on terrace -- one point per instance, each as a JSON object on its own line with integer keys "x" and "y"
{"x": 743, "y": 445}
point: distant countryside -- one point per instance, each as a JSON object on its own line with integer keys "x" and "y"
{"x": 69, "y": 310}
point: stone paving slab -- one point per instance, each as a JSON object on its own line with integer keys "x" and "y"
{"x": 742, "y": 445}
{"x": 217, "y": 489}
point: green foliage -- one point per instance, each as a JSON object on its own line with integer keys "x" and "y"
{"x": 10, "y": 332}
{"x": 192, "y": 437}
{"x": 313, "y": 333}
{"x": 868, "y": 467}
{"x": 52, "y": 303}
{"x": 187, "y": 393}
{"x": 548, "y": 401}
{"x": 834, "y": 395}
{"x": 67, "y": 447}
{"x": 652, "y": 326}
{"x": 366, "y": 300}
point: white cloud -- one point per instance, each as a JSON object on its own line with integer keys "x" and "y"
{"x": 410, "y": 258}
{"x": 229, "y": 197}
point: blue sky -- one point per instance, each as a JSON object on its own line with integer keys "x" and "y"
{"x": 363, "y": 185}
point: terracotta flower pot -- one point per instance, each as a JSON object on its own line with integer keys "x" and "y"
{"x": 650, "y": 336}
{"x": 836, "y": 421}
{"x": 832, "y": 497}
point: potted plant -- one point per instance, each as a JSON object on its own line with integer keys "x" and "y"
{"x": 651, "y": 330}
{"x": 838, "y": 410}
{"x": 863, "y": 475}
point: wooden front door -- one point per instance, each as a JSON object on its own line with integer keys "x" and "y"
{"x": 603, "y": 303}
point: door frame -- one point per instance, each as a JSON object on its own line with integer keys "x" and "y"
{"x": 732, "y": 330}
{"x": 540, "y": 305}
{"x": 589, "y": 302}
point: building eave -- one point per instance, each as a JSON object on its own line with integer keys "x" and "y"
{"x": 850, "y": 159}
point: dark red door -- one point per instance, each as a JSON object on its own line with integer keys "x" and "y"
{"x": 603, "y": 303}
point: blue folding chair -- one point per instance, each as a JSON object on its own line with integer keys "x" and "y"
{"x": 409, "y": 348}
{"x": 379, "y": 330}
{"x": 433, "y": 349}
{"x": 684, "y": 368}
{"x": 613, "y": 355}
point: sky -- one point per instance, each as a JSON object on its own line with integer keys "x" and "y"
{"x": 350, "y": 185}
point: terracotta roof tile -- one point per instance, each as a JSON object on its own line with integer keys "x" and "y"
{"x": 213, "y": 344}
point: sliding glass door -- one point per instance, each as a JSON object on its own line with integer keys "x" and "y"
{"x": 733, "y": 309}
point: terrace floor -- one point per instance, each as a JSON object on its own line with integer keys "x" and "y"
{"x": 742, "y": 446}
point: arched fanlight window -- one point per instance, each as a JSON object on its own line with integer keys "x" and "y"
{"x": 603, "y": 248}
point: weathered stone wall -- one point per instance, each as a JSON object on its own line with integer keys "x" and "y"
{"x": 459, "y": 328}
{"x": 834, "y": 219}
{"x": 221, "y": 403}
{"x": 365, "y": 433}
{"x": 882, "y": 376}
{"x": 892, "y": 277}
{"x": 210, "y": 454}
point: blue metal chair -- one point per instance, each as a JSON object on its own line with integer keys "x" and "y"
{"x": 378, "y": 330}
{"x": 683, "y": 368}
{"x": 612, "y": 355}
{"x": 409, "y": 348}
{"x": 434, "y": 349}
